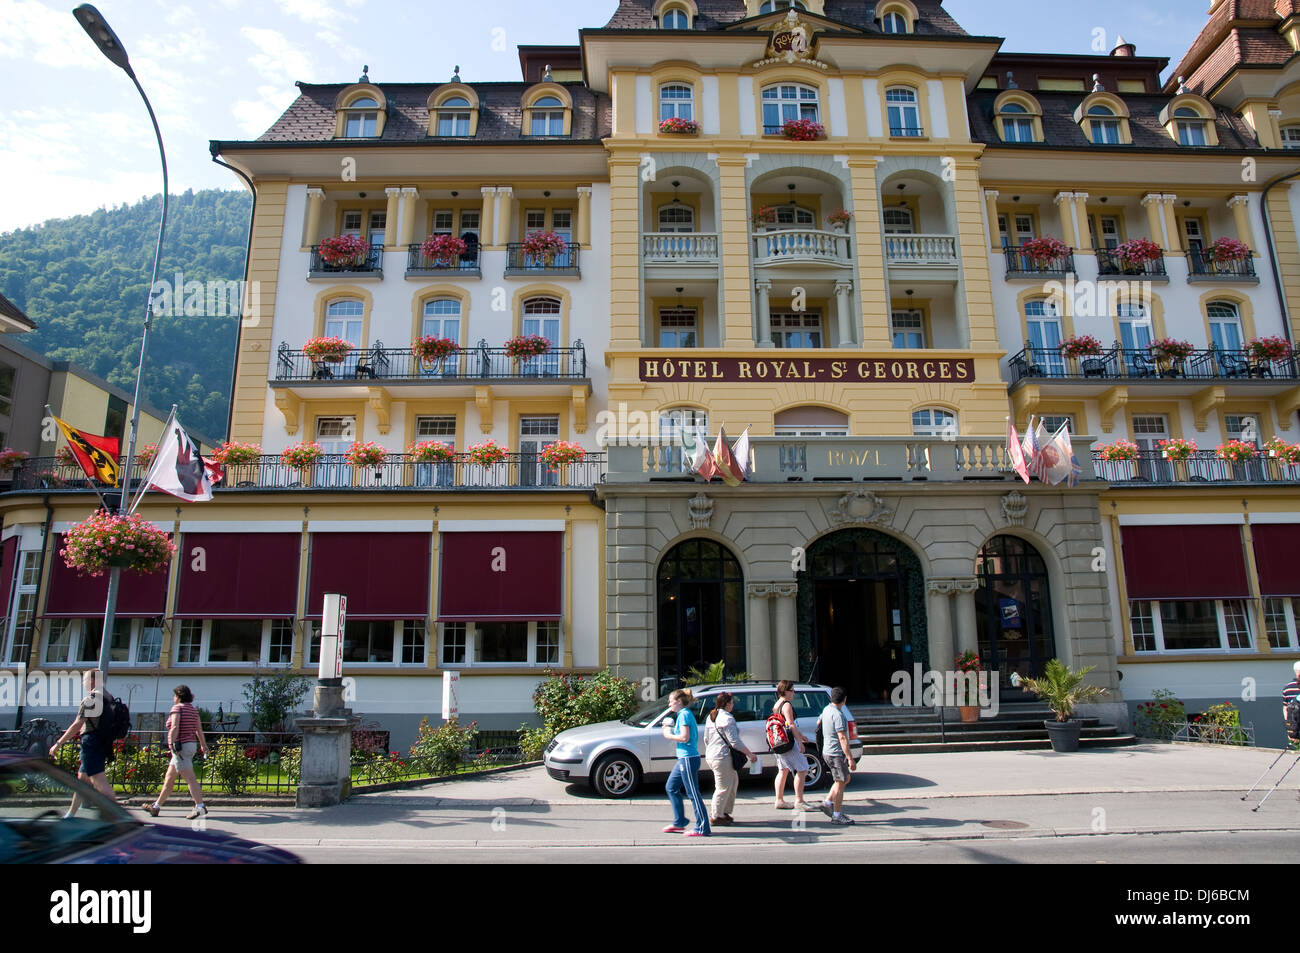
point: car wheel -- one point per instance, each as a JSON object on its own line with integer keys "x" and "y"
{"x": 816, "y": 776}
{"x": 617, "y": 775}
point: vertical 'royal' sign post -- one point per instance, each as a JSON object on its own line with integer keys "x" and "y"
{"x": 327, "y": 735}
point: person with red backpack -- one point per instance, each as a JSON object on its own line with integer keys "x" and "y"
{"x": 786, "y": 742}
{"x": 95, "y": 724}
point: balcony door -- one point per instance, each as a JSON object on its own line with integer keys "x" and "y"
{"x": 1134, "y": 334}
{"x": 378, "y": 227}
{"x": 1108, "y": 227}
{"x": 1043, "y": 323}
{"x": 345, "y": 318}
{"x": 797, "y": 329}
{"x": 908, "y": 329}
{"x": 439, "y": 429}
{"x": 1023, "y": 231}
{"x": 562, "y": 225}
{"x": 678, "y": 327}
{"x": 542, "y": 316}
{"x": 1148, "y": 431}
{"x": 1225, "y": 326}
{"x": 442, "y": 320}
{"x": 535, "y": 434}
{"x": 335, "y": 435}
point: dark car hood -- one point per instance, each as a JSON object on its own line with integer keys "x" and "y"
{"x": 159, "y": 844}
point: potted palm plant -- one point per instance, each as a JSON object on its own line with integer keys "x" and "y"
{"x": 1062, "y": 689}
{"x": 969, "y": 707}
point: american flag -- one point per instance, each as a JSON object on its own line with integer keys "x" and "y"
{"x": 1035, "y": 459}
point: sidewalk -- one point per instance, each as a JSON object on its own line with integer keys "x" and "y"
{"x": 972, "y": 795}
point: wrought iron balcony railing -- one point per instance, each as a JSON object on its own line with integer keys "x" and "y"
{"x": 472, "y": 364}
{"x": 1020, "y": 263}
{"x": 519, "y": 262}
{"x": 1203, "y": 466}
{"x": 1108, "y": 263}
{"x": 332, "y": 472}
{"x": 1139, "y": 364}
{"x": 418, "y": 263}
{"x": 1202, "y": 265}
{"x": 367, "y": 262}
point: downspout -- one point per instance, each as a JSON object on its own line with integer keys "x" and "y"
{"x": 248, "y": 264}
{"x": 1272, "y": 254}
{"x": 40, "y": 577}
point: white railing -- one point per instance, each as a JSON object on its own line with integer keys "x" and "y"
{"x": 800, "y": 244}
{"x": 921, "y": 249}
{"x": 680, "y": 246}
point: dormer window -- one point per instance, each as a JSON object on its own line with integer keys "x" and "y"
{"x": 1105, "y": 128}
{"x": 675, "y": 19}
{"x": 453, "y": 117}
{"x": 1189, "y": 121}
{"x": 771, "y": 6}
{"x": 1104, "y": 119}
{"x": 361, "y": 119}
{"x": 453, "y": 110}
{"x": 1191, "y": 127}
{"x": 547, "y": 118}
{"x": 1018, "y": 117}
{"x": 893, "y": 23}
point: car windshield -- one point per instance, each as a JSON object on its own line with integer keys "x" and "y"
{"x": 646, "y": 716}
{"x": 33, "y": 801}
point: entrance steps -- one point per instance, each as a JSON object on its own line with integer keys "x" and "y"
{"x": 1016, "y": 727}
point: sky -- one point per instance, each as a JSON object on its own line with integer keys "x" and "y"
{"x": 74, "y": 135}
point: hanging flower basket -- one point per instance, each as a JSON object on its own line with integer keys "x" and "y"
{"x": 1236, "y": 451}
{"x": 233, "y": 453}
{"x": 442, "y": 248}
{"x": 803, "y": 130}
{"x": 1269, "y": 348}
{"x": 677, "y": 126}
{"x": 1137, "y": 252}
{"x": 1286, "y": 452}
{"x": 64, "y": 456}
{"x": 1119, "y": 450}
{"x": 106, "y": 539}
{"x": 342, "y": 249}
{"x": 301, "y": 455}
{"x": 545, "y": 245}
{"x": 527, "y": 345}
{"x": 1081, "y": 345}
{"x": 9, "y": 456}
{"x": 840, "y": 217}
{"x": 1229, "y": 249}
{"x": 1176, "y": 448}
{"x": 144, "y": 456}
{"x": 486, "y": 454}
{"x": 764, "y": 215}
{"x": 432, "y": 349}
{"x": 368, "y": 454}
{"x": 328, "y": 349}
{"x": 1170, "y": 349}
{"x": 1042, "y": 251}
{"x": 431, "y": 451}
{"x": 562, "y": 453}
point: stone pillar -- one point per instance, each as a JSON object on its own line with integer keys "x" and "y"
{"x": 1151, "y": 203}
{"x": 315, "y": 202}
{"x": 759, "y": 661}
{"x": 939, "y": 623}
{"x": 991, "y": 203}
{"x": 967, "y": 633}
{"x": 325, "y": 776}
{"x": 487, "y": 217}
{"x": 407, "y": 236}
{"x": 584, "y": 216}
{"x": 764, "y": 289}
{"x": 1082, "y": 233}
{"x": 1240, "y": 205}
{"x": 391, "y": 219}
{"x": 844, "y": 312}
{"x": 1069, "y": 234}
{"x": 787, "y": 631}
{"x": 505, "y": 205}
{"x": 1274, "y": 136}
{"x": 1171, "y": 224}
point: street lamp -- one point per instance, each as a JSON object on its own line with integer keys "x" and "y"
{"x": 93, "y": 22}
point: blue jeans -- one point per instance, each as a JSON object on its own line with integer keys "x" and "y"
{"x": 685, "y": 780}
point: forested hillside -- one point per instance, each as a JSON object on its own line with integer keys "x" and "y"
{"x": 84, "y": 280}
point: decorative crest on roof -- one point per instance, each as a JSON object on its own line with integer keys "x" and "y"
{"x": 791, "y": 42}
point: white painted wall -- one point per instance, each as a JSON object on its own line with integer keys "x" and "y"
{"x": 837, "y": 108}
{"x": 586, "y": 610}
{"x": 710, "y": 115}
{"x": 875, "y": 120}
{"x": 938, "y": 110}
{"x": 645, "y": 111}
{"x": 745, "y": 103}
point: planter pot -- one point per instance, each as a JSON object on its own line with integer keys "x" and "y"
{"x": 969, "y": 713}
{"x": 1064, "y": 735}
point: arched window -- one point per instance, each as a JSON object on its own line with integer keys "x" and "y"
{"x": 934, "y": 422}
{"x": 1134, "y": 335}
{"x": 345, "y": 318}
{"x": 1225, "y": 325}
{"x": 361, "y": 119}
{"x": 1105, "y": 128}
{"x": 1043, "y": 327}
{"x": 542, "y": 316}
{"x": 811, "y": 421}
{"x": 1017, "y": 125}
{"x": 1191, "y": 126}
{"x": 771, "y": 6}
{"x": 676, "y": 218}
{"x": 546, "y": 117}
{"x": 904, "y": 113}
{"x": 454, "y": 116}
{"x": 441, "y": 319}
{"x": 893, "y": 22}
{"x": 676, "y": 101}
{"x": 701, "y": 608}
{"x": 788, "y": 101}
{"x": 898, "y": 221}
{"x": 795, "y": 215}
{"x": 675, "y": 19}
{"x": 1013, "y": 609}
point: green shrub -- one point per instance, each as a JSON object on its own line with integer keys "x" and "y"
{"x": 441, "y": 750}
{"x": 533, "y": 742}
{"x": 291, "y": 764}
{"x": 1221, "y": 724}
{"x": 570, "y": 701}
{"x": 68, "y": 756}
{"x": 1161, "y": 717}
{"x": 141, "y": 770}
{"x": 229, "y": 768}
{"x": 713, "y": 674}
{"x": 271, "y": 700}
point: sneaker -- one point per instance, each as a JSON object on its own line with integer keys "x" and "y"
{"x": 842, "y": 819}
{"x": 828, "y": 808}
{"x": 673, "y": 830}
{"x": 696, "y": 834}
{"x": 199, "y": 811}
{"x": 722, "y": 821}
{"x": 153, "y": 809}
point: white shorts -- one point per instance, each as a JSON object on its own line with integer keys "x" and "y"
{"x": 793, "y": 760}
{"x": 183, "y": 760}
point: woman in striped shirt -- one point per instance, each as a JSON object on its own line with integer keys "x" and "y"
{"x": 184, "y": 737}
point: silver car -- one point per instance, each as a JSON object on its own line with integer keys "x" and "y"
{"x": 614, "y": 757}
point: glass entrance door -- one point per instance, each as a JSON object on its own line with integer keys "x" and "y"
{"x": 1013, "y": 609}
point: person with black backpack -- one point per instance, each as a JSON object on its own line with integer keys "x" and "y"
{"x": 1291, "y": 705}
{"x": 101, "y": 720}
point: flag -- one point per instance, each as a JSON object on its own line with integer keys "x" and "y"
{"x": 1061, "y": 441}
{"x": 179, "y": 470}
{"x": 725, "y": 461}
{"x": 1055, "y": 454}
{"x": 97, "y": 455}
{"x": 741, "y": 452}
{"x": 1036, "y": 458}
{"x": 1016, "y": 452}
{"x": 695, "y": 445}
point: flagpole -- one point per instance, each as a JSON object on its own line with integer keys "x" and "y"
{"x": 153, "y": 464}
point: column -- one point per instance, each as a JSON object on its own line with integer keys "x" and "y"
{"x": 1274, "y": 130}
{"x": 759, "y": 661}
{"x": 1069, "y": 234}
{"x": 407, "y": 236}
{"x": 1240, "y": 205}
{"x": 967, "y": 633}
{"x": 391, "y": 218}
{"x": 991, "y": 204}
{"x": 1256, "y": 603}
{"x": 787, "y": 631}
{"x": 764, "y": 289}
{"x": 1171, "y": 225}
{"x": 1151, "y": 203}
{"x": 487, "y": 217}
{"x": 844, "y": 312}
{"x": 939, "y": 623}
{"x": 1125, "y": 620}
{"x": 505, "y": 206}
{"x": 736, "y": 320}
{"x": 315, "y": 202}
{"x": 624, "y": 257}
{"x": 1082, "y": 233}
{"x": 584, "y": 216}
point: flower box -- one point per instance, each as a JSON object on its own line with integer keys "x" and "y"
{"x": 676, "y": 126}
{"x": 1176, "y": 448}
{"x": 368, "y": 454}
{"x": 527, "y": 345}
{"x": 9, "y": 457}
{"x": 1268, "y": 348}
{"x": 1236, "y": 451}
{"x": 144, "y": 457}
{"x": 839, "y": 219}
{"x": 1286, "y": 452}
{"x": 562, "y": 453}
{"x": 342, "y": 249}
{"x": 232, "y": 453}
{"x": 1119, "y": 450}
{"x": 442, "y": 248}
{"x": 1228, "y": 249}
{"x": 803, "y": 130}
{"x": 486, "y": 454}
{"x": 432, "y": 349}
{"x": 1081, "y": 345}
{"x": 301, "y": 455}
{"x": 1043, "y": 251}
{"x": 431, "y": 451}
{"x": 545, "y": 245}
{"x": 64, "y": 456}
{"x": 106, "y": 539}
{"x": 1170, "y": 349}
{"x": 764, "y": 216}
{"x": 1137, "y": 252}
{"x": 328, "y": 349}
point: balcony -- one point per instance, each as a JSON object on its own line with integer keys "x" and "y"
{"x": 519, "y": 471}
{"x": 679, "y": 248}
{"x": 1152, "y": 469}
{"x": 419, "y": 264}
{"x": 1108, "y": 264}
{"x": 1138, "y": 364}
{"x": 800, "y": 246}
{"x": 368, "y": 264}
{"x": 838, "y": 460}
{"x": 1202, "y": 268}
{"x": 921, "y": 250}
{"x": 520, "y": 264}
{"x": 474, "y": 364}
{"x": 1021, "y": 265}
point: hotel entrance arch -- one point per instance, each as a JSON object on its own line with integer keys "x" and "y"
{"x": 700, "y": 594}
{"x": 1013, "y": 609}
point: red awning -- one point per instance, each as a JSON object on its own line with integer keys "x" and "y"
{"x": 384, "y": 575}
{"x": 238, "y": 576}
{"x": 8, "y": 558}
{"x": 1277, "y": 557}
{"x": 501, "y": 577}
{"x": 1184, "y": 562}
{"x": 74, "y": 596}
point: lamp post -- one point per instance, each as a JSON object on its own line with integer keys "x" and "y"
{"x": 93, "y": 22}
